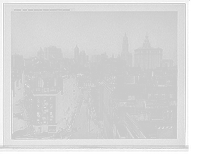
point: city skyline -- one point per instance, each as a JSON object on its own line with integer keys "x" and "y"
{"x": 94, "y": 33}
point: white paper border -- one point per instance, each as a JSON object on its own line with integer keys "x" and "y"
{"x": 93, "y": 143}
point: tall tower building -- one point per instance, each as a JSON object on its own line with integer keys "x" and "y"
{"x": 53, "y": 53}
{"x": 40, "y": 54}
{"x": 125, "y": 55}
{"x": 76, "y": 52}
{"x": 82, "y": 58}
{"x": 147, "y": 57}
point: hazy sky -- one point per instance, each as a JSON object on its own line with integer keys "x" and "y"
{"x": 94, "y": 32}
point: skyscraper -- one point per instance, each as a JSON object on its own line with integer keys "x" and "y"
{"x": 40, "y": 53}
{"x": 76, "y": 52}
{"x": 82, "y": 58}
{"x": 125, "y": 55}
{"x": 147, "y": 57}
{"x": 53, "y": 53}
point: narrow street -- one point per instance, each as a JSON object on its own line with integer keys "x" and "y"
{"x": 86, "y": 128}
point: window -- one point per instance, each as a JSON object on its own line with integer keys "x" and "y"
{"x": 171, "y": 96}
{"x": 162, "y": 96}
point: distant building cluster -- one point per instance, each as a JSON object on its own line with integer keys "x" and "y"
{"x": 138, "y": 106}
{"x": 80, "y": 57}
{"x": 133, "y": 96}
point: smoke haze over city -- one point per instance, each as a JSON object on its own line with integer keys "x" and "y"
{"x": 93, "y": 32}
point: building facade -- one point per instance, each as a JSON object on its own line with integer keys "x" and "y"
{"x": 114, "y": 66}
{"x": 53, "y": 53}
{"x": 43, "y": 101}
{"x": 82, "y": 58}
{"x": 28, "y": 63}
{"x": 147, "y": 57}
{"x": 40, "y": 54}
{"x": 76, "y": 53}
{"x": 17, "y": 60}
{"x": 167, "y": 63}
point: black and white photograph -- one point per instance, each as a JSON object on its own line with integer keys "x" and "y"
{"x": 95, "y": 74}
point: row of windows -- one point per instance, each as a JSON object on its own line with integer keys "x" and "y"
{"x": 51, "y": 106}
{"x": 44, "y": 121}
{"x": 44, "y": 98}
{"x": 163, "y": 96}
